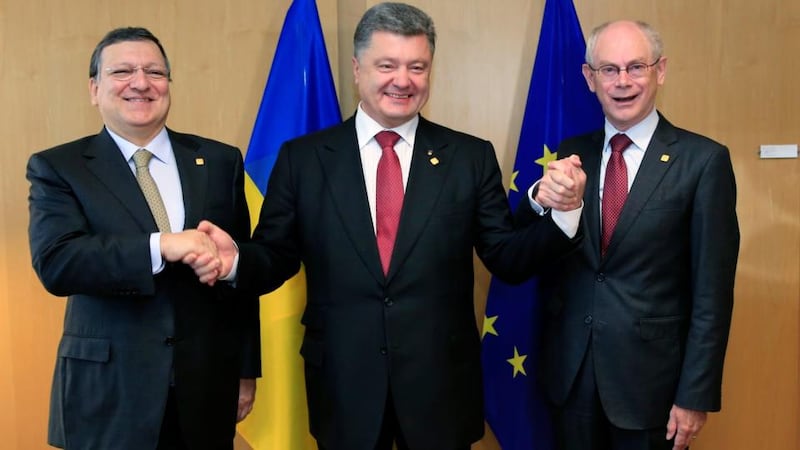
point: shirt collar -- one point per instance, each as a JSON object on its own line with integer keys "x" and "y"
{"x": 640, "y": 134}
{"x": 367, "y": 128}
{"x": 160, "y": 146}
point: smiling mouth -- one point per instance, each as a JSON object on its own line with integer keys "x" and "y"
{"x": 398, "y": 96}
{"x": 625, "y": 99}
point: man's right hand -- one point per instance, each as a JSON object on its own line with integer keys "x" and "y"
{"x": 561, "y": 188}
{"x": 194, "y": 248}
{"x": 226, "y": 248}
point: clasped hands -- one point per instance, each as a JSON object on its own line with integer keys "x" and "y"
{"x": 561, "y": 188}
{"x": 209, "y": 250}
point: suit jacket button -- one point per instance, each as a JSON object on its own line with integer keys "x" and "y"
{"x": 588, "y": 319}
{"x": 388, "y": 302}
{"x": 384, "y": 351}
{"x": 601, "y": 277}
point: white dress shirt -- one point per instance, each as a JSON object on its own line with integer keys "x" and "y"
{"x": 164, "y": 171}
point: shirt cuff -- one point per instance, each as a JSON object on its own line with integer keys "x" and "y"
{"x": 156, "y": 261}
{"x": 567, "y": 221}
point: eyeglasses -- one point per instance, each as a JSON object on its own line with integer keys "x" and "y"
{"x": 126, "y": 73}
{"x": 610, "y": 72}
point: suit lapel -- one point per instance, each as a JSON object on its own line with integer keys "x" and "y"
{"x": 193, "y": 173}
{"x": 344, "y": 176}
{"x": 591, "y": 159}
{"x": 104, "y": 159}
{"x": 658, "y": 158}
{"x": 430, "y": 163}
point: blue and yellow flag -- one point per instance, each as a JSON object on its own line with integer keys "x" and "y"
{"x": 299, "y": 98}
{"x": 559, "y": 105}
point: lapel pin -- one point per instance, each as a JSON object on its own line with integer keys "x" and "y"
{"x": 434, "y": 160}
{"x": 199, "y": 162}
{"x": 664, "y": 158}
{"x": 430, "y": 152}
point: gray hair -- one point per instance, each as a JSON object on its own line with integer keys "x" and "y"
{"x": 652, "y": 36}
{"x": 396, "y": 18}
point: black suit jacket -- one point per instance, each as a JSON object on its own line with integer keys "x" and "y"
{"x": 657, "y": 308}
{"x": 124, "y": 328}
{"x": 412, "y": 332}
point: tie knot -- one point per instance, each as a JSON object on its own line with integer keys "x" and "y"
{"x": 387, "y": 139}
{"x": 142, "y": 157}
{"x": 620, "y": 142}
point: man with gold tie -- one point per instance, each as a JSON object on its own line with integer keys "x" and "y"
{"x": 150, "y": 358}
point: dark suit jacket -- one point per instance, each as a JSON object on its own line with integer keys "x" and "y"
{"x": 412, "y": 332}
{"x": 656, "y": 310}
{"x": 125, "y": 328}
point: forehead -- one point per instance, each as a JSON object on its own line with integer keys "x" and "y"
{"x": 132, "y": 52}
{"x": 621, "y": 43}
{"x": 384, "y": 44}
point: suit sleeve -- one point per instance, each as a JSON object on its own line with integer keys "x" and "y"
{"x": 273, "y": 256}
{"x": 714, "y": 249}
{"x": 514, "y": 250}
{"x": 67, "y": 252}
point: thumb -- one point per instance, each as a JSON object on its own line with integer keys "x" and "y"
{"x": 672, "y": 425}
{"x": 206, "y": 227}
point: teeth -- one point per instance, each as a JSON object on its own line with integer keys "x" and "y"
{"x": 398, "y": 95}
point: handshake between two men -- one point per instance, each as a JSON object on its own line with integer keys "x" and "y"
{"x": 211, "y": 252}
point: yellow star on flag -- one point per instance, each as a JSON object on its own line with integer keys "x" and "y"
{"x": 488, "y": 326}
{"x": 513, "y": 186}
{"x": 517, "y": 362}
{"x": 546, "y": 158}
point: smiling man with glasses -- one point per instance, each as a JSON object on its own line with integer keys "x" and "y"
{"x": 636, "y": 321}
{"x": 150, "y": 358}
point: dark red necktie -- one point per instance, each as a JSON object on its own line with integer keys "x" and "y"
{"x": 388, "y": 196}
{"x": 615, "y": 188}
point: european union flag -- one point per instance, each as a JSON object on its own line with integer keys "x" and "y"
{"x": 299, "y": 98}
{"x": 559, "y": 105}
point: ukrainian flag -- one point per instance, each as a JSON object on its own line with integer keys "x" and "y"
{"x": 299, "y": 98}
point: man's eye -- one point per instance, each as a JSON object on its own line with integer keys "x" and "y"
{"x": 122, "y": 72}
{"x": 636, "y": 68}
{"x": 609, "y": 70}
{"x": 155, "y": 73}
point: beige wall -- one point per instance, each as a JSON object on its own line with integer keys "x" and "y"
{"x": 730, "y": 75}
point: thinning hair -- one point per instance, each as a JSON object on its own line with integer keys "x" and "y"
{"x": 652, "y": 36}
{"x": 396, "y": 18}
{"x": 125, "y": 34}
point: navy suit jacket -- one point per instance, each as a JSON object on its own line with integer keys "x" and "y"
{"x": 125, "y": 329}
{"x": 656, "y": 310}
{"x": 412, "y": 333}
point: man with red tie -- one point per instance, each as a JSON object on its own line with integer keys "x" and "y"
{"x": 636, "y": 322}
{"x": 385, "y": 211}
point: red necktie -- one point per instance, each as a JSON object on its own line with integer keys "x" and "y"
{"x": 615, "y": 187}
{"x": 388, "y": 196}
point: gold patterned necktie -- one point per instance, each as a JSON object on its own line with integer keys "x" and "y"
{"x": 142, "y": 160}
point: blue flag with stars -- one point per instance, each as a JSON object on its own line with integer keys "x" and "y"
{"x": 559, "y": 105}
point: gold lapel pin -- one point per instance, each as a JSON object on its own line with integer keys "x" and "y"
{"x": 664, "y": 157}
{"x": 434, "y": 160}
{"x": 199, "y": 162}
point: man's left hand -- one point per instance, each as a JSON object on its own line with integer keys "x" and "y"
{"x": 684, "y": 425}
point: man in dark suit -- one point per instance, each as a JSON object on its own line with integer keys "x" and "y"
{"x": 637, "y": 321}
{"x": 391, "y": 344}
{"x": 150, "y": 357}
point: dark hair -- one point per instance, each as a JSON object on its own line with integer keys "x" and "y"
{"x": 397, "y": 18}
{"x": 126, "y": 34}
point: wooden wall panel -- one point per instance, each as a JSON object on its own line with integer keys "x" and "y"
{"x": 730, "y": 76}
